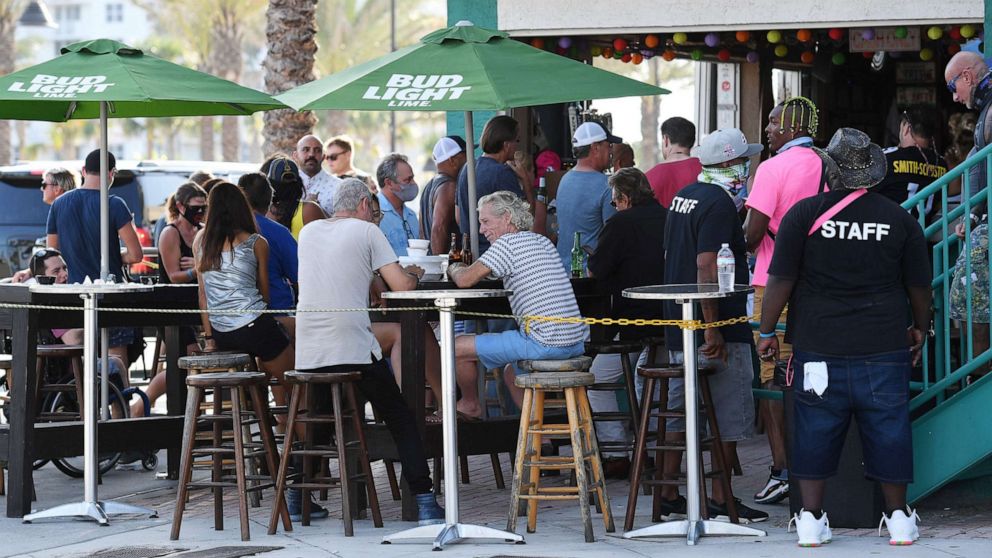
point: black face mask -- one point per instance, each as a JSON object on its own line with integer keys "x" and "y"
{"x": 194, "y": 214}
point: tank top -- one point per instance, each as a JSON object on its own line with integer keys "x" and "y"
{"x": 297, "y": 224}
{"x": 185, "y": 251}
{"x": 233, "y": 287}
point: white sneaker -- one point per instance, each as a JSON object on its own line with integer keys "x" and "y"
{"x": 811, "y": 531}
{"x": 902, "y": 527}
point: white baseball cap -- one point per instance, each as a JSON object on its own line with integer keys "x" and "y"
{"x": 591, "y": 132}
{"x": 446, "y": 148}
{"x": 725, "y": 145}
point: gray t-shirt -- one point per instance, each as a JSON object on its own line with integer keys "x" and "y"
{"x": 337, "y": 258}
{"x": 529, "y": 266}
{"x": 583, "y": 207}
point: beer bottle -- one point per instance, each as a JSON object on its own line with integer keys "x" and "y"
{"x": 578, "y": 256}
{"x": 454, "y": 255}
{"x": 466, "y": 250}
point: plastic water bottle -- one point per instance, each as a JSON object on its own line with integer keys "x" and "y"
{"x": 725, "y": 268}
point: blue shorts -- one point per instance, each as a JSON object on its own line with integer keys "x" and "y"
{"x": 121, "y": 336}
{"x": 873, "y": 388}
{"x": 498, "y": 349}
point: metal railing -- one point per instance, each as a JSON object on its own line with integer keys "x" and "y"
{"x": 945, "y": 368}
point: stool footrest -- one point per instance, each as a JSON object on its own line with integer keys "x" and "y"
{"x": 321, "y": 419}
{"x": 610, "y": 416}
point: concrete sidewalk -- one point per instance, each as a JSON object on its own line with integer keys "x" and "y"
{"x": 945, "y": 532}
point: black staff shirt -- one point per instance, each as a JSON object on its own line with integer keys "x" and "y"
{"x": 702, "y": 218}
{"x": 851, "y": 275}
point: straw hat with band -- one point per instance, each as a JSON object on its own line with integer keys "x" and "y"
{"x": 860, "y": 163}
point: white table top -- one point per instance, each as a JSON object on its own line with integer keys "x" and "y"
{"x": 684, "y": 292}
{"x": 447, "y": 293}
{"x": 91, "y": 288}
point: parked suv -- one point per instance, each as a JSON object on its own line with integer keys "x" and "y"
{"x": 143, "y": 185}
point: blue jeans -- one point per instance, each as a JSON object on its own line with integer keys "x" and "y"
{"x": 873, "y": 388}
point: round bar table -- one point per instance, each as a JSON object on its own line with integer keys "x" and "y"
{"x": 693, "y": 527}
{"x": 451, "y": 530}
{"x": 91, "y": 507}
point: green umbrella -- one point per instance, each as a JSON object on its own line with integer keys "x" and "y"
{"x": 105, "y": 79}
{"x": 464, "y": 68}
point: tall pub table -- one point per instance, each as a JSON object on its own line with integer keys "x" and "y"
{"x": 451, "y": 530}
{"x": 90, "y": 507}
{"x": 693, "y": 526}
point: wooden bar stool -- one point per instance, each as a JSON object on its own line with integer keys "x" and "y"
{"x": 304, "y": 412}
{"x": 242, "y": 383}
{"x": 626, "y": 385}
{"x": 546, "y": 378}
{"x": 658, "y": 408}
{"x": 73, "y": 355}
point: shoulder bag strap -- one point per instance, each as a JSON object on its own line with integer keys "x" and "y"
{"x": 837, "y": 208}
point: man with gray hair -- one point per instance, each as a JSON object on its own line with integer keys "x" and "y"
{"x": 529, "y": 266}
{"x": 318, "y": 184}
{"x": 396, "y": 187}
{"x": 337, "y": 258}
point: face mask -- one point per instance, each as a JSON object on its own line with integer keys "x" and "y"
{"x": 194, "y": 215}
{"x": 733, "y": 179}
{"x": 408, "y": 192}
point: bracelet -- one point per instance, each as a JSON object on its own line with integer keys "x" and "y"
{"x": 191, "y": 274}
{"x": 766, "y": 335}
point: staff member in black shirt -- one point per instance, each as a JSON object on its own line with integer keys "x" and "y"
{"x": 701, "y": 218}
{"x": 855, "y": 266}
{"x": 630, "y": 253}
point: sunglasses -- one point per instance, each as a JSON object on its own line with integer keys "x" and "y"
{"x": 952, "y": 85}
{"x": 47, "y": 184}
{"x": 334, "y": 156}
{"x": 45, "y": 253}
{"x": 196, "y": 209}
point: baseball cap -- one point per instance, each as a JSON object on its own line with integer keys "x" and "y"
{"x": 591, "y": 132}
{"x": 724, "y": 145}
{"x": 93, "y": 161}
{"x": 283, "y": 170}
{"x": 447, "y": 147}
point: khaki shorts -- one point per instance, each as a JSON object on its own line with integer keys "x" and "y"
{"x": 784, "y": 349}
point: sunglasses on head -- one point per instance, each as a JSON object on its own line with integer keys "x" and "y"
{"x": 45, "y": 253}
{"x": 334, "y": 156}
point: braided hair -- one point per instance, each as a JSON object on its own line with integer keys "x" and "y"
{"x": 799, "y": 116}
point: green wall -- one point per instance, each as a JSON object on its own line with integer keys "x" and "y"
{"x": 483, "y": 14}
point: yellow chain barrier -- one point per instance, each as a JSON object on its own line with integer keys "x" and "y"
{"x": 525, "y": 320}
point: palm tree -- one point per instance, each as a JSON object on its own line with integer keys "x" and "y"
{"x": 290, "y": 31}
{"x": 10, "y": 12}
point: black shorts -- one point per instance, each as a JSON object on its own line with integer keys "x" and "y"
{"x": 263, "y": 338}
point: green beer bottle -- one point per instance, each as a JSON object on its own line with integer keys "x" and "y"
{"x": 578, "y": 256}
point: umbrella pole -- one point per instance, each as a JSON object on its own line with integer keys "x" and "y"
{"x": 104, "y": 264}
{"x": 473, "y": 217}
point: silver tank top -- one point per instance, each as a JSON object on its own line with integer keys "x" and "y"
{"x": 233, "y": 287}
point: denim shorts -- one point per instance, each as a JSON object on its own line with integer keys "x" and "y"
{"x": 120, "y": 336}
{"x": 497, "y": 349}
{"x": 873, "y": 388}
{"x": 730, "y": 387}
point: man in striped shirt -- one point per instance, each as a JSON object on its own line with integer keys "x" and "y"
{"x": 529, "y": 266}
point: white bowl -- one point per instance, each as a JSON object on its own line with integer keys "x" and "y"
{"x": 416, "y": 252}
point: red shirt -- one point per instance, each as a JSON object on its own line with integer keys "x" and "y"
{"x": 667, "y": 179}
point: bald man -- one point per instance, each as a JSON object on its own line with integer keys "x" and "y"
{"x": 968, "y": 80}
{"x": 318, "y": 185}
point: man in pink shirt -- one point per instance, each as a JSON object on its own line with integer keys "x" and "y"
{"x": 679, "y": 169}
{"x": 794, "y": 173}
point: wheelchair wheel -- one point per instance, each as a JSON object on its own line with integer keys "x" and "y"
{"x": 66, "y": 402}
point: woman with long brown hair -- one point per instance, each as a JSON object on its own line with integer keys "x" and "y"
{"x": 231, "y": 260}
